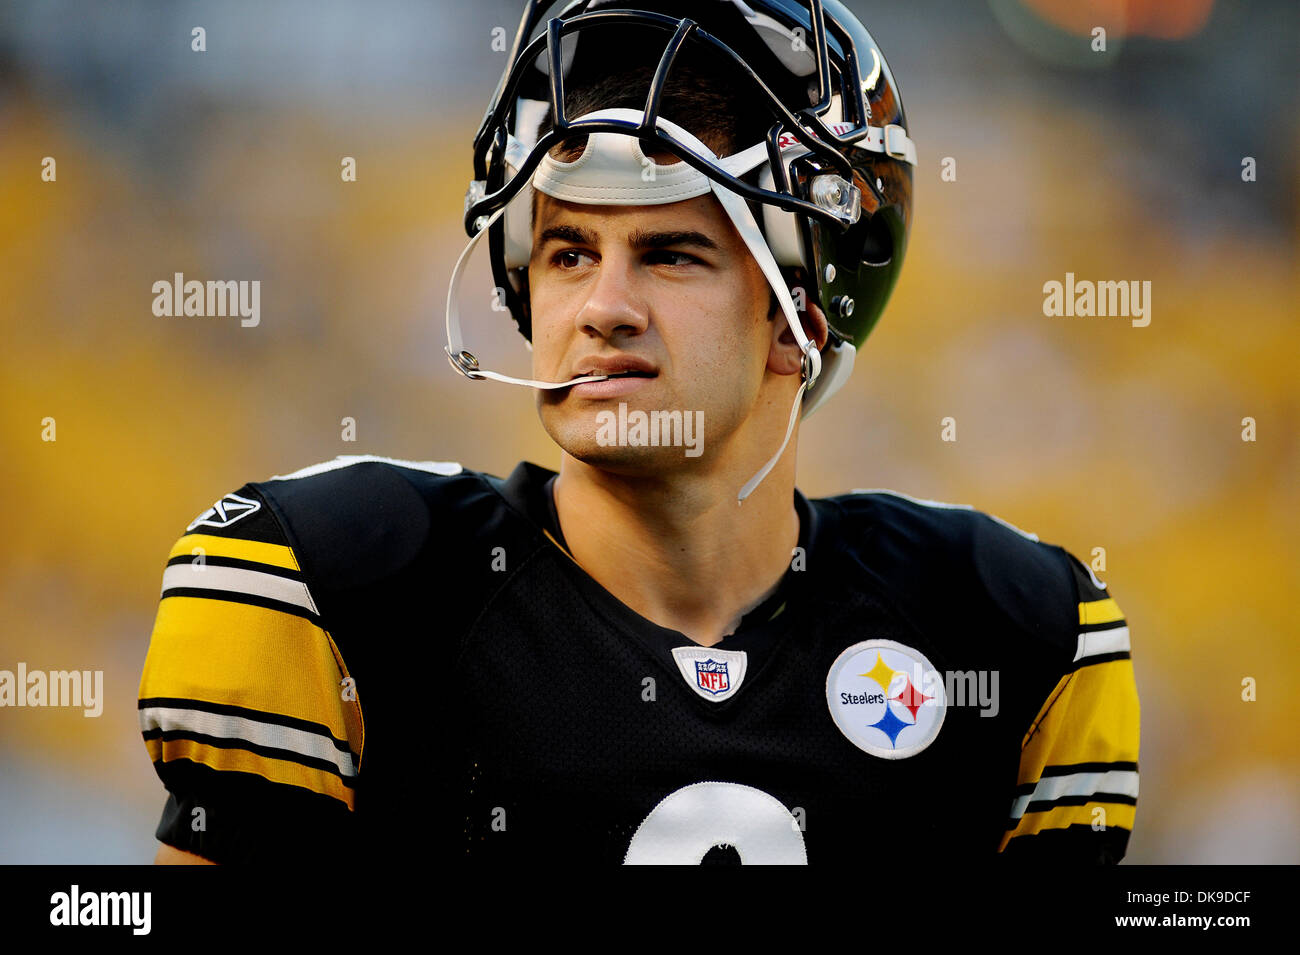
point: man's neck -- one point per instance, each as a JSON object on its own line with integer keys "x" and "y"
{"x": 679, "y": 551}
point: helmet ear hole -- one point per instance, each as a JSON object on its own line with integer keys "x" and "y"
{"x": 877, "y": 241}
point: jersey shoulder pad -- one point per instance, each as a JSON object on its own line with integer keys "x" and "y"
{"x": 361, "y": 518}
{"x": 961, "y": 556}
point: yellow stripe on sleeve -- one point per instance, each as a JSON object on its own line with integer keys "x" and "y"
{"x": 277, "y": 555}
{"x": 219, "y": 651}
{"x": 1099, "y": 611}
{"x": 239, "y": 760}
{"x": 1091, "y": 716}
{"x": 1115, "y": 815}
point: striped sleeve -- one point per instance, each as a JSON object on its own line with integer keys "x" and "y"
{"x": 246, "y": 706}
{"x": 1077, "y": 787}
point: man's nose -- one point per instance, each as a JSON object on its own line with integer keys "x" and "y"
{"x": 615, "y": 303}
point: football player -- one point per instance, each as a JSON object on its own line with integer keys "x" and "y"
{"x": 663, "y": 653}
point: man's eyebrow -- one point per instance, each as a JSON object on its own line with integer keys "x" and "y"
{"x": 567, "y": 233}
{"x": 662, "y": 240}
{"x": 640, "y": 240}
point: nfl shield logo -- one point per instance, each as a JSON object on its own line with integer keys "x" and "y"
{"x": 711, "y": 676}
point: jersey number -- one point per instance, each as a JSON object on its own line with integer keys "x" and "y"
{"x": 694, "y": 819}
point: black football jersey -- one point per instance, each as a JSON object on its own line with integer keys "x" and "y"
{"x": 374, "y": 659}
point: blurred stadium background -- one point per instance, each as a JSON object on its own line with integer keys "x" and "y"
{"x": 1089, "y": 432}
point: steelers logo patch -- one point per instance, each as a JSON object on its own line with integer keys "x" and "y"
{"x": 886, "y": 698}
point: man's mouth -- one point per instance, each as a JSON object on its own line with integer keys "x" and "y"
{"x": 629, "y": 373}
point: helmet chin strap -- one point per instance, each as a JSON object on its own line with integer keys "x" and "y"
{"x": 610, "y": 171}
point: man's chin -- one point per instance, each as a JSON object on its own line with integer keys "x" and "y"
{"x": 627, "y": 440}
{"x": 625, "y": 460}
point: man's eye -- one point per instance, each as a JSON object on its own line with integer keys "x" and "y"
{"x": 569, "y": 258}
{"x": 665, "y": 257}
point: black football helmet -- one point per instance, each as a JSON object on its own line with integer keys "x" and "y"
{"x": 832, "y": 192}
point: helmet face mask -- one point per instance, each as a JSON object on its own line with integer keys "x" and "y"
{"x": 828, "y": 182}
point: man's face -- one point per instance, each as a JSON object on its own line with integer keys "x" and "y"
{"x": 669, "y": 290}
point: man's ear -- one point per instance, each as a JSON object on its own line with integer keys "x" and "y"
{"x": 784, "y": 356}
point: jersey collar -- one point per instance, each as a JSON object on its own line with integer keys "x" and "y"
{"x": 529, "y": 490}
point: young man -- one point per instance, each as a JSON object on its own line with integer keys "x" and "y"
{"x": 665, "y": 653}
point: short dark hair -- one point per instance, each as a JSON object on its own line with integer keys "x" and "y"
{"x": 695, "y": 98}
